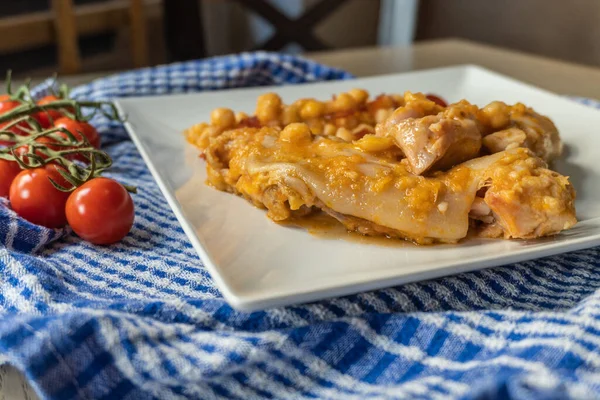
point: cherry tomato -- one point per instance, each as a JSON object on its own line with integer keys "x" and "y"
{"x": 437, "y": 100}
{"x": 51, "y": 99}
{"x": 16, "y": 129}
{"x": 5, "y": 143}
{"x": 48, "y": 99}
{"x": 33, "y": 197}
{"x": 8, "y": 171}
{"x": 5, "y": 106}
{"x": 100, "y": 211}
{"x": 47, "y": 117}
{"x": 77, "y": 128}
{"x": 47, "y": 141}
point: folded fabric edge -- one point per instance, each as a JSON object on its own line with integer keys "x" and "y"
{"x": 242, "y": 59}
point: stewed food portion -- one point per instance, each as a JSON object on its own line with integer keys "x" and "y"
{"x": 402, "y": 166}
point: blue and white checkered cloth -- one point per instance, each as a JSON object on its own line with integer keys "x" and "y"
{"x": 143, "y": 319}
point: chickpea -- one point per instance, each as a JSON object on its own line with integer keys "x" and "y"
{"x": 222, "y": 118}
{"x": 295, "y": 133}
{"x": 268, "y": 107}
{"x": 363, "y": 127}
{"x": 202, "y": 142}
{"x": 290, "y": 115}
{"x": 360, "y": 95}
{"x": 373, "y": 144}
{"x": 496, "y": 114}
{"x": 300, "y": 102}
{"x": 240, "y": 116}
{"x": 316, "y": 126}
{"x": 342, "y": 102}
{"x": 345, "y": 134}
{"x": 410, "y": 96}
{"x": 194, "y": 132}
{"x": 312, "y": 109}
{"x": 329, "y": 130}
{"x": 207, "y": 133}
{"x": 382, "y": 101}
{"x": 349, "y": 122}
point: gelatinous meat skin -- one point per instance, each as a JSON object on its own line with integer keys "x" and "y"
{"x": 437, "y": 141}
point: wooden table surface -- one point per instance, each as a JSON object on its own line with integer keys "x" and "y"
{"x": 557, "y": 76}
{"x": 554, "y": 75}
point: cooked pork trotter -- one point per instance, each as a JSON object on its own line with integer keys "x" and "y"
{"x": 435, "y": 141}
{"x": 290, "y": 171}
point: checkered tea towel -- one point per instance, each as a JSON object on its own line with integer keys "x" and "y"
{"x": 142, "y": 319}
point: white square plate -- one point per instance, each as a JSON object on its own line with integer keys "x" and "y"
{"x": 257, "y": 263}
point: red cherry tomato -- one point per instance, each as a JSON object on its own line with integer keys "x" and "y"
{"x": 33, "y": 197}
{"x": 5, "y": 106}
{"x": 47, "y": 141}
{"x": 14, "y": 129}
{"x": 100, "y": 211}
{"x": 8, "y": 171}
{"x": 437, "y": 100}
{"x": 5, "y": 143}
{"x": 48, "y": 99}
{"x": 51, "y": 99}
{"x": 47, "y": 117}
{"x": 77, "y": 128}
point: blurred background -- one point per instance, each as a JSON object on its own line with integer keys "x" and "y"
{"x": 39, "y": 37}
